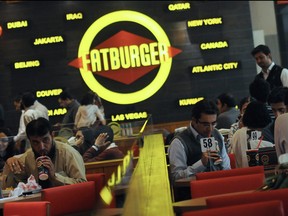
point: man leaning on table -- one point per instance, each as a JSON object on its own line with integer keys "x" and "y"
{"x": 65, "y": 165}
{"x": 185, "y": 154}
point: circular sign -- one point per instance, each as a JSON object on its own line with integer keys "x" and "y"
{"x": 125, "y": 16}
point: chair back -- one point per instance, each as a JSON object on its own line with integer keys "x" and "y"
{"x": 229, "y": 173}
{"x": 66, "y": 132}
{"x": 210, "y": 187}
{"x": 99, "y": 180}
{"x": 268, "y": 208}
{"x": 260, "y": 196}
{"x": 67, "y": 199}
{"x": 39, "y": 208}
{"x": 232, "y": 160}
{"x": 61, "y": 139}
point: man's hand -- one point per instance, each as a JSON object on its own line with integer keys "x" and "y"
{"x": 48, "y": 164}
{"x": 214, "y": 155}
{"x": 101, "y": 140}
{"x": 79, "y": 138}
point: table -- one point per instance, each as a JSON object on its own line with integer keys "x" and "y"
{"x": 181, "y": 188}
{"x": 32, "y": 197}
{"x": 198, "y": 203}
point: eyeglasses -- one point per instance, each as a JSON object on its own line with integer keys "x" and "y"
{"x": 6, "y": 139}
{"x": 207, "y": 124}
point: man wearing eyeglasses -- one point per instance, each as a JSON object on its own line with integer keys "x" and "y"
{"x": 185, "y": 153}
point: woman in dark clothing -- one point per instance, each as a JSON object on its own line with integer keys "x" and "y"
{"x": 85, "y": 138}
{"x": 7, "y": 146}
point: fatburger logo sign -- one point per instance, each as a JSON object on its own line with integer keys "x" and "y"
{"x": 125, "y": 57}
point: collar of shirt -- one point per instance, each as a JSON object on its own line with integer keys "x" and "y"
{"x": 112, "y": 145}
{"x": 194, "y": 132}
{"x": 268, "y": 70}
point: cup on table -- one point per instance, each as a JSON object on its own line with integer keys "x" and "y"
{"x": 42, "y": 170}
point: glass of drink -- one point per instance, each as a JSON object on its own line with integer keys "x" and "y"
{"x": 42, "y": 170}
{"x": 218, "y": 160}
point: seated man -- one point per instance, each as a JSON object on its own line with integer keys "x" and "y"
{"x": 185, "y": 155}
{"x": 65, "y": 165}
{"x": 104, "y": 147}
{"x": 84, "y": 139}
{"x": 276, "y": 100}
{"x": 67, "y": 100}
{"x": 228, "y": 113}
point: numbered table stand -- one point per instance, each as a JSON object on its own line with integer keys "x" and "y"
{"x": 209, "y": 144}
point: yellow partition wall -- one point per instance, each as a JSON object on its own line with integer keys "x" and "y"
{"x": 149, "y": 189}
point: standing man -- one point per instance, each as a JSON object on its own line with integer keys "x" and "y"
{"x": 29, "y": 101}
{"x": 66, "y": 100}
{"x": 185, "y": 155}
{"x": 65, "y": 165}
{"x": 31, "y": 112}
{"x": 272, "y": 73}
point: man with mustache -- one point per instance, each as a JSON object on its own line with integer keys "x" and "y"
{"x": 274, "y": 74}
{"x": 65, "y": 165}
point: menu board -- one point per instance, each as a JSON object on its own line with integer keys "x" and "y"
{"x": 141, "y": 57}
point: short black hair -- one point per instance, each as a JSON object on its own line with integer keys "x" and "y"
{"x": 227, "y": 99}
{"x": 256, "y": 115}
{"x": 17, "y": 98}
{"x": 64, "y": 95}
{"x": 261, "y": 48}
{"x": 88, "y": 98}
{"x": 243, "y": 101}
{"x": 259, "y": 89}
{"x": 38, "y": 127}
{"x": 204, "y": 106}
{"x": 28, "y": 99}
{"x": 6, "y": 131}
{"x": 105, "y": 129}
{"x": 277, "y": 95}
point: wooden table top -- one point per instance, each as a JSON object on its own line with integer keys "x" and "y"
{"x": 108, "y": 212}
{"x": 184, "y": 182}
{"x": 32, "y": 197}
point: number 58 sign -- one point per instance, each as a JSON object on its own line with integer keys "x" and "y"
{"x": 208, "y": 144}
